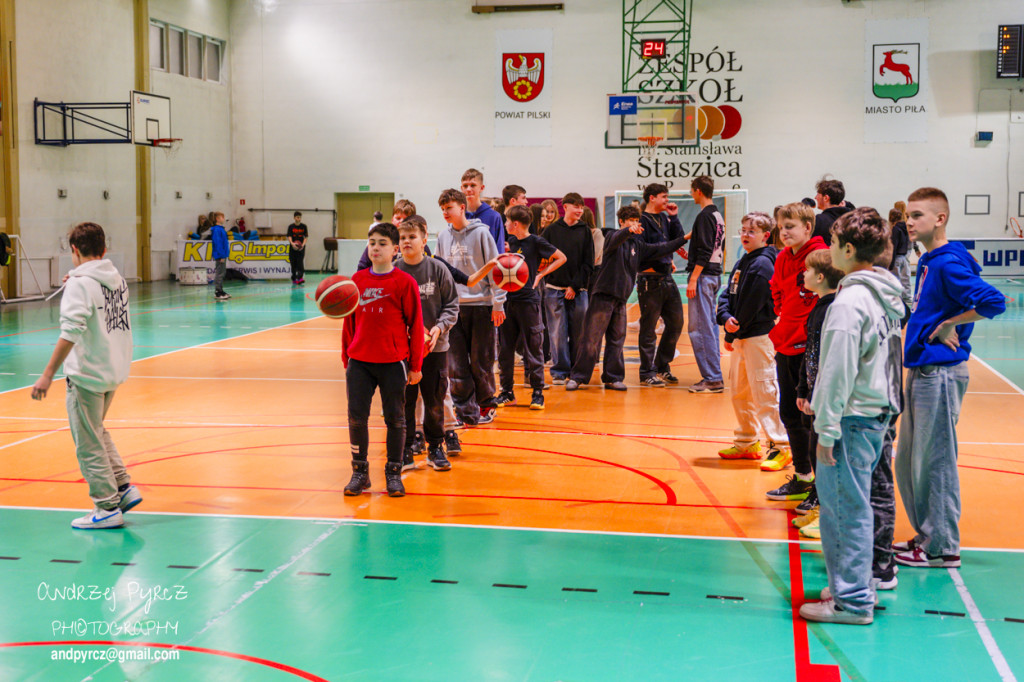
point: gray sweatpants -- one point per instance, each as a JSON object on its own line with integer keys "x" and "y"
{"x": 926, "y": 455}
{"x": 219, "y": 268}
{"x": 98, "y": 459}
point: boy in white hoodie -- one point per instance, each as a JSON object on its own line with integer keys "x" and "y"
{"x": 854, "y": 398}
{"x": 95, "y": 346}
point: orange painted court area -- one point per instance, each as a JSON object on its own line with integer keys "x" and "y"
{"x": 256, "y": 425}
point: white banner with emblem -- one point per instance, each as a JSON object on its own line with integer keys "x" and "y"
{"x": 254, "y": 259}
{"x": 522, "y": 108}
{"x": 896, "y": 89}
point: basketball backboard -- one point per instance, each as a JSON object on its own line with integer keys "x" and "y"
{"x": 672, "y": 116}
{"x": 151, "y": 117}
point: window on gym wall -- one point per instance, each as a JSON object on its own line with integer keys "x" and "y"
{"x": 175, "y": 51}
{"x": 195, "y": 55}
{"x": 213, "y": 57}
{"x": 185, "y": 53}
{"x": 156, "y": 47}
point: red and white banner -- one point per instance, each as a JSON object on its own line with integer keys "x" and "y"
{"x": 522, "y": 109}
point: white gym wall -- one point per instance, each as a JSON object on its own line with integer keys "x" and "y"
{"x": 322, "y": 96}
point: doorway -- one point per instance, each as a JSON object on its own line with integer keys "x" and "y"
{"x": 356, "y": 209}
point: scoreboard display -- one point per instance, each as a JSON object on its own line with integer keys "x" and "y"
{"x": 1010, "y": 51}
{"x": 653, "y": 48}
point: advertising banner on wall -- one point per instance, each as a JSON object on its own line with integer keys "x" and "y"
{"x": 254, "y": 259}
{"x": 999, "y": 257}
{"x": 896, "y": 83}
{"x": 522, "y": 109}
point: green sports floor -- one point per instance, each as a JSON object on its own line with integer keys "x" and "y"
{"x": 257, "y": 598}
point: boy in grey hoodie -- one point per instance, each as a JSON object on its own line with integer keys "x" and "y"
{"x": 95, "y": 347}
{"x": 853, "y": 401}
{"x": 468, "y": 246}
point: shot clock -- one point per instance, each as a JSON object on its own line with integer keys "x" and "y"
{"x": 652, "y": 48}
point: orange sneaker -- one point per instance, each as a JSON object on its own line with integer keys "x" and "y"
{"x": 777, "y": 459}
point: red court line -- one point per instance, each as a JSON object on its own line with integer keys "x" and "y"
{"x": 805, "y": 670}
{"x": 998, "y": 471}
{"x": 180, "y": 647}
{"x": 409, "y": 493}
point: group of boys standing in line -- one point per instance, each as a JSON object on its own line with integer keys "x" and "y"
{"x": 817, "y": 367}
{"x": 814, "y": 331}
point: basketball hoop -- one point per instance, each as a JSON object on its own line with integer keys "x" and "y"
{"x": 170, "y": 145}
{"x": 648, "y": 145}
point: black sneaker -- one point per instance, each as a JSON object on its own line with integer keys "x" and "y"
{"x": 393, "y": 479}
{"x": 653, "y": 381}
{"x": 505, "y": 398}
{"x": 451, "y": 443}
{"x": 222, "y": 296}
{"x": 437, "y": 460}
{"x": 487, "y": 415}
{"x": 792, "y": 489}
{"x": 809, "y": 503}
{"x": 668, "y": 377}
{"x": 360, "y": 478}
{"x": 537, "y": 401}
{"x": 419, "y": 443}
{"x": 408, "y": 463}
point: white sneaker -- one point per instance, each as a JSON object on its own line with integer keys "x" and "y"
{"x": 99, "y": 518}
{"x": 130, "y": 498}
{"x": 830, "y": 612}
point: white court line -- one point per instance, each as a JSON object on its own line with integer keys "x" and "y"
{"x": 200, "y": 345}
{"x": 257, "y": 586}
{"x": 30, "y": 438}
{"x": 348, "y": 520}
{"x": 979, "y": 623}
{"x": 335, "y": 381}
{"x": 989, "y": 367}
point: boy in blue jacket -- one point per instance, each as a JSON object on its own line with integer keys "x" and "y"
{"x": 219, "y": 237}
{"x": 950, "y": 297}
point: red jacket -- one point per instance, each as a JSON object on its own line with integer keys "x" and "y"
{"x": 793, "y": 303}
{"x": 387, "y": 317}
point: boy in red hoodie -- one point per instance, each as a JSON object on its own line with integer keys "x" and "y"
{"x": 793, "y": 303}
{"x": 381, "y": 346}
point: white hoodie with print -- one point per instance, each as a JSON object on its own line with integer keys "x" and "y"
{"x": 854, "y": 376}
{"x": 94, "y": 316}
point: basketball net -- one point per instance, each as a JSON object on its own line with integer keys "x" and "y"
{"x": 648, "y": 146}
{"x": 170, "y": 145}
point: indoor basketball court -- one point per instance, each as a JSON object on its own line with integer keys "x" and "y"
{"x": 602, "y": 538}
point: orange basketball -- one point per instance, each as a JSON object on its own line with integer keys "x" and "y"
{"x": 511, "y": 272}
{"x": 337, "y": 296}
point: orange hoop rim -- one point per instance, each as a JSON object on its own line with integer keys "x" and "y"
{"x": 166, "y": 141}
{"x": 650, "y": 140}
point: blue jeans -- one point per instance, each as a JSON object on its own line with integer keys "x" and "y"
{"x": 565, "y": 328}
{"x": 847, "y": 522}
{"x": 703, "y": 328}
{"x": 926, "y": 455}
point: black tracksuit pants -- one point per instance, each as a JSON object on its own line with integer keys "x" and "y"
{"x": 522, "y": 322}
{"x": 433, "y": 387}
{"x": 659, "y": 297}
{"x": 362, "y": 379}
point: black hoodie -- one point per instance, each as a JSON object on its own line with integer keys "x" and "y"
{"x": 748, "y": 295}
{"x": 823, "y": 222}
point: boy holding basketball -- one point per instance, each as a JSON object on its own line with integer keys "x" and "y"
{"x": 950, "y": 298}
{"x": 298, "y": 233}
{"x": 853, "y": 401}
{"x": 439, "y": 301}
{"x": 468, "y": 245}
{"x": 381, "y": 347}
{"x": 606, "y": 315}
{"x": 95, "y": 347}
{"x": 522, "y": 309}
